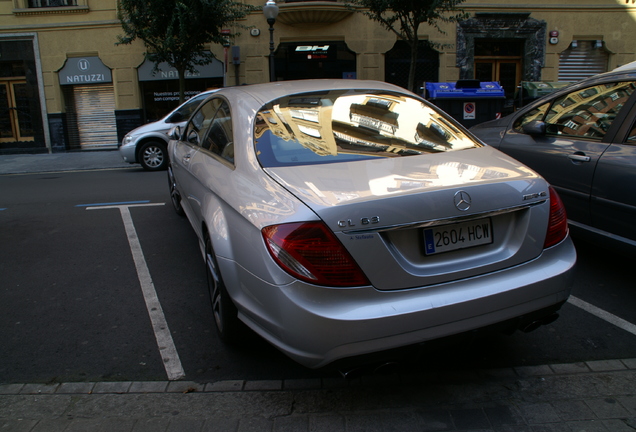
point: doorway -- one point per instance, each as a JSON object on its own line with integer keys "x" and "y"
{"x": 16, "y": 123}
{"x": 501, "y": 60}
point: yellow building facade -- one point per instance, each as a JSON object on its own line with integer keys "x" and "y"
{"x": 65, "y": 85}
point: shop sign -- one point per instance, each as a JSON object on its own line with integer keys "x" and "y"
{"x": 313, "y": 52}
{"x": 84, "y": 70}
{"x": 147, "y": 72}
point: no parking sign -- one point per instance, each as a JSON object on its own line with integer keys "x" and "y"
{"x": 469, "y": 110}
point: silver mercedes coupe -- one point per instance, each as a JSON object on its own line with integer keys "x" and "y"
{"x": 343, "y": 217}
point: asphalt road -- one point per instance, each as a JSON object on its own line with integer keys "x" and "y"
{"x": 73, "y": 306}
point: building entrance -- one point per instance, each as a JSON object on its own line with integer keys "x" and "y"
{"x": 15, "y": 112}
{"x": 307, "y": 60}
{"x": 499, "y": 60}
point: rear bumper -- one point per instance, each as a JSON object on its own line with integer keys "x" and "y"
{"x": 317, "y": 325}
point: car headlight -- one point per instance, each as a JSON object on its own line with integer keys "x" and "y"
{"x": 127, "y": 139}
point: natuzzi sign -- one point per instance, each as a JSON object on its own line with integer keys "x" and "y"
{"x": 84, "y": 70}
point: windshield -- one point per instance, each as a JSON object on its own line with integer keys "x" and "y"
{"x": 340, "y": 126}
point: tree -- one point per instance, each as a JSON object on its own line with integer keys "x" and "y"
{"x": 404, "y": 17}
{"x": 176, "y": 31}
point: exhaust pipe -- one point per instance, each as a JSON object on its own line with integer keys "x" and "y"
{"x": 527, "y": 328}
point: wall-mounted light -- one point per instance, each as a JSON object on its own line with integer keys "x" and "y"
{"x": 598, "y": 44}
{"x": 574, "y": 44}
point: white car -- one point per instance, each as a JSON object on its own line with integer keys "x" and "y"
{"x": 147, "y": 144}
{"x": 338, "y": 218}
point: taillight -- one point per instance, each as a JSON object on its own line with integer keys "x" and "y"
{"x": 558, "y": 223}
{"x": 311, "y": 252}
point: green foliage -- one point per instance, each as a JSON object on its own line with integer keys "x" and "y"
{"x": 404, "y": 17}
{"x": 176, "y": 31}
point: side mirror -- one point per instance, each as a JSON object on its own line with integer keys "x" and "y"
{"x": 193, "y": 137}
{"x": 535, "y": 127}
{"x": 175, "y": 133}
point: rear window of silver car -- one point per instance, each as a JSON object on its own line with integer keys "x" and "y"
{"x": 341, "y": 126}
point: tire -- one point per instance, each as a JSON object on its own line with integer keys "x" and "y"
{"x": 175, "y": 196}
{"x": 229, "y": 328}
{"x": 153, "y": 156}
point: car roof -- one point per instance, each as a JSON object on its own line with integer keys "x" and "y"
{"x": 629, "y": 67}
{"x": 267, "y": 92}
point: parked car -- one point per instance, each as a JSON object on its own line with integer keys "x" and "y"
{"x": 343, "y": 217}
{"x": 582, "y": 139}
{"x": 147, "y": 144}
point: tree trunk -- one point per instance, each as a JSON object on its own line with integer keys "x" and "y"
{"x": 413, "y": 66}
{"x": 181, "y": 72}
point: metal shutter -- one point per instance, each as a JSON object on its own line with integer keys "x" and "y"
{"x": 95, "y": 111}
{"x": 583, "y": 61}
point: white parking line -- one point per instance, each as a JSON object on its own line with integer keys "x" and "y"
{"x": 604, "y": 315}
{"x": 167, "y": 349}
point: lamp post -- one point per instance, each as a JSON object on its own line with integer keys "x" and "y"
{"x": 270, "y": 10}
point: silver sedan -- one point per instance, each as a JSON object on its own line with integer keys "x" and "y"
{"x": 343, "y": 217}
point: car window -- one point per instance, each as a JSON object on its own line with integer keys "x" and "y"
{"x": 185, "y": 111}
{"x": 534, "y": 114}
{"x": 219, "y": 135}
{"x": 631, "y": 136}
{"x": 589, "y": 112}
{"x": 347, "y": 125}
{"x": 200, "y": 122}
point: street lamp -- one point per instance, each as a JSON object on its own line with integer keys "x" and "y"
{"x": 270, "y": 10}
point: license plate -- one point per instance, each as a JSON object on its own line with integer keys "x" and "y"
{"x": 463, "y": 235}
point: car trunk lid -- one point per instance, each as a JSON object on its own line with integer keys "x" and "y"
{"x": 413, "y": 221}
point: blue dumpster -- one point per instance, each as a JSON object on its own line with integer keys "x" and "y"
{"x": 470, "y": 102}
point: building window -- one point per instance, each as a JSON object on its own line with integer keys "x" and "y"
{"x": 51, "y": 3}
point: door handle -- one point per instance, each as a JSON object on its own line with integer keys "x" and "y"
{"x": 579, "y": 157}
{"x": 186, "y": 158}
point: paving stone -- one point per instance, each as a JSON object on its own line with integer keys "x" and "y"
{"x": 606, "y": 365}
{"x": 539, "y": 413}
{"x": 569, "y": 368}
{"x": 101, "y": 425}
{"x": 327, "y": 422}
{"x": 607, "y": 408}
{"x": 630, "y": 363}
{"x": 184, "y": 387}
{"x": 255, "y": 424}
{"x": 588, "y": 426}
{"x": 148, "y": 387}
{"x": 220, "y": 425}
{"x": 264, "y": 385}
{"x": 18, "y": 425}
{"x": 302, "y": 384}
{"x": 470, "y": 419}
{"x": 629, "y": 402}
{"x": 51, "y": 425}
{"x": 151, "y": 425}
{"x": 10, "y": 389}
{"x": 500, "y": 416}
{"x": 112, "y": 387}
{"x": 435, "y": 420}
{"x": 573, "y": 410}
{"x": 291, "y": 424}
{"x": 531, "y": 371}
{"x": 75, "y": 388}
{"x": 367, "y": 422}
{"x": 185, "y": 425}
{"x": 619, "y": 425}
{"x": 225, "y": 386}
{"x": 39, "y": 388}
